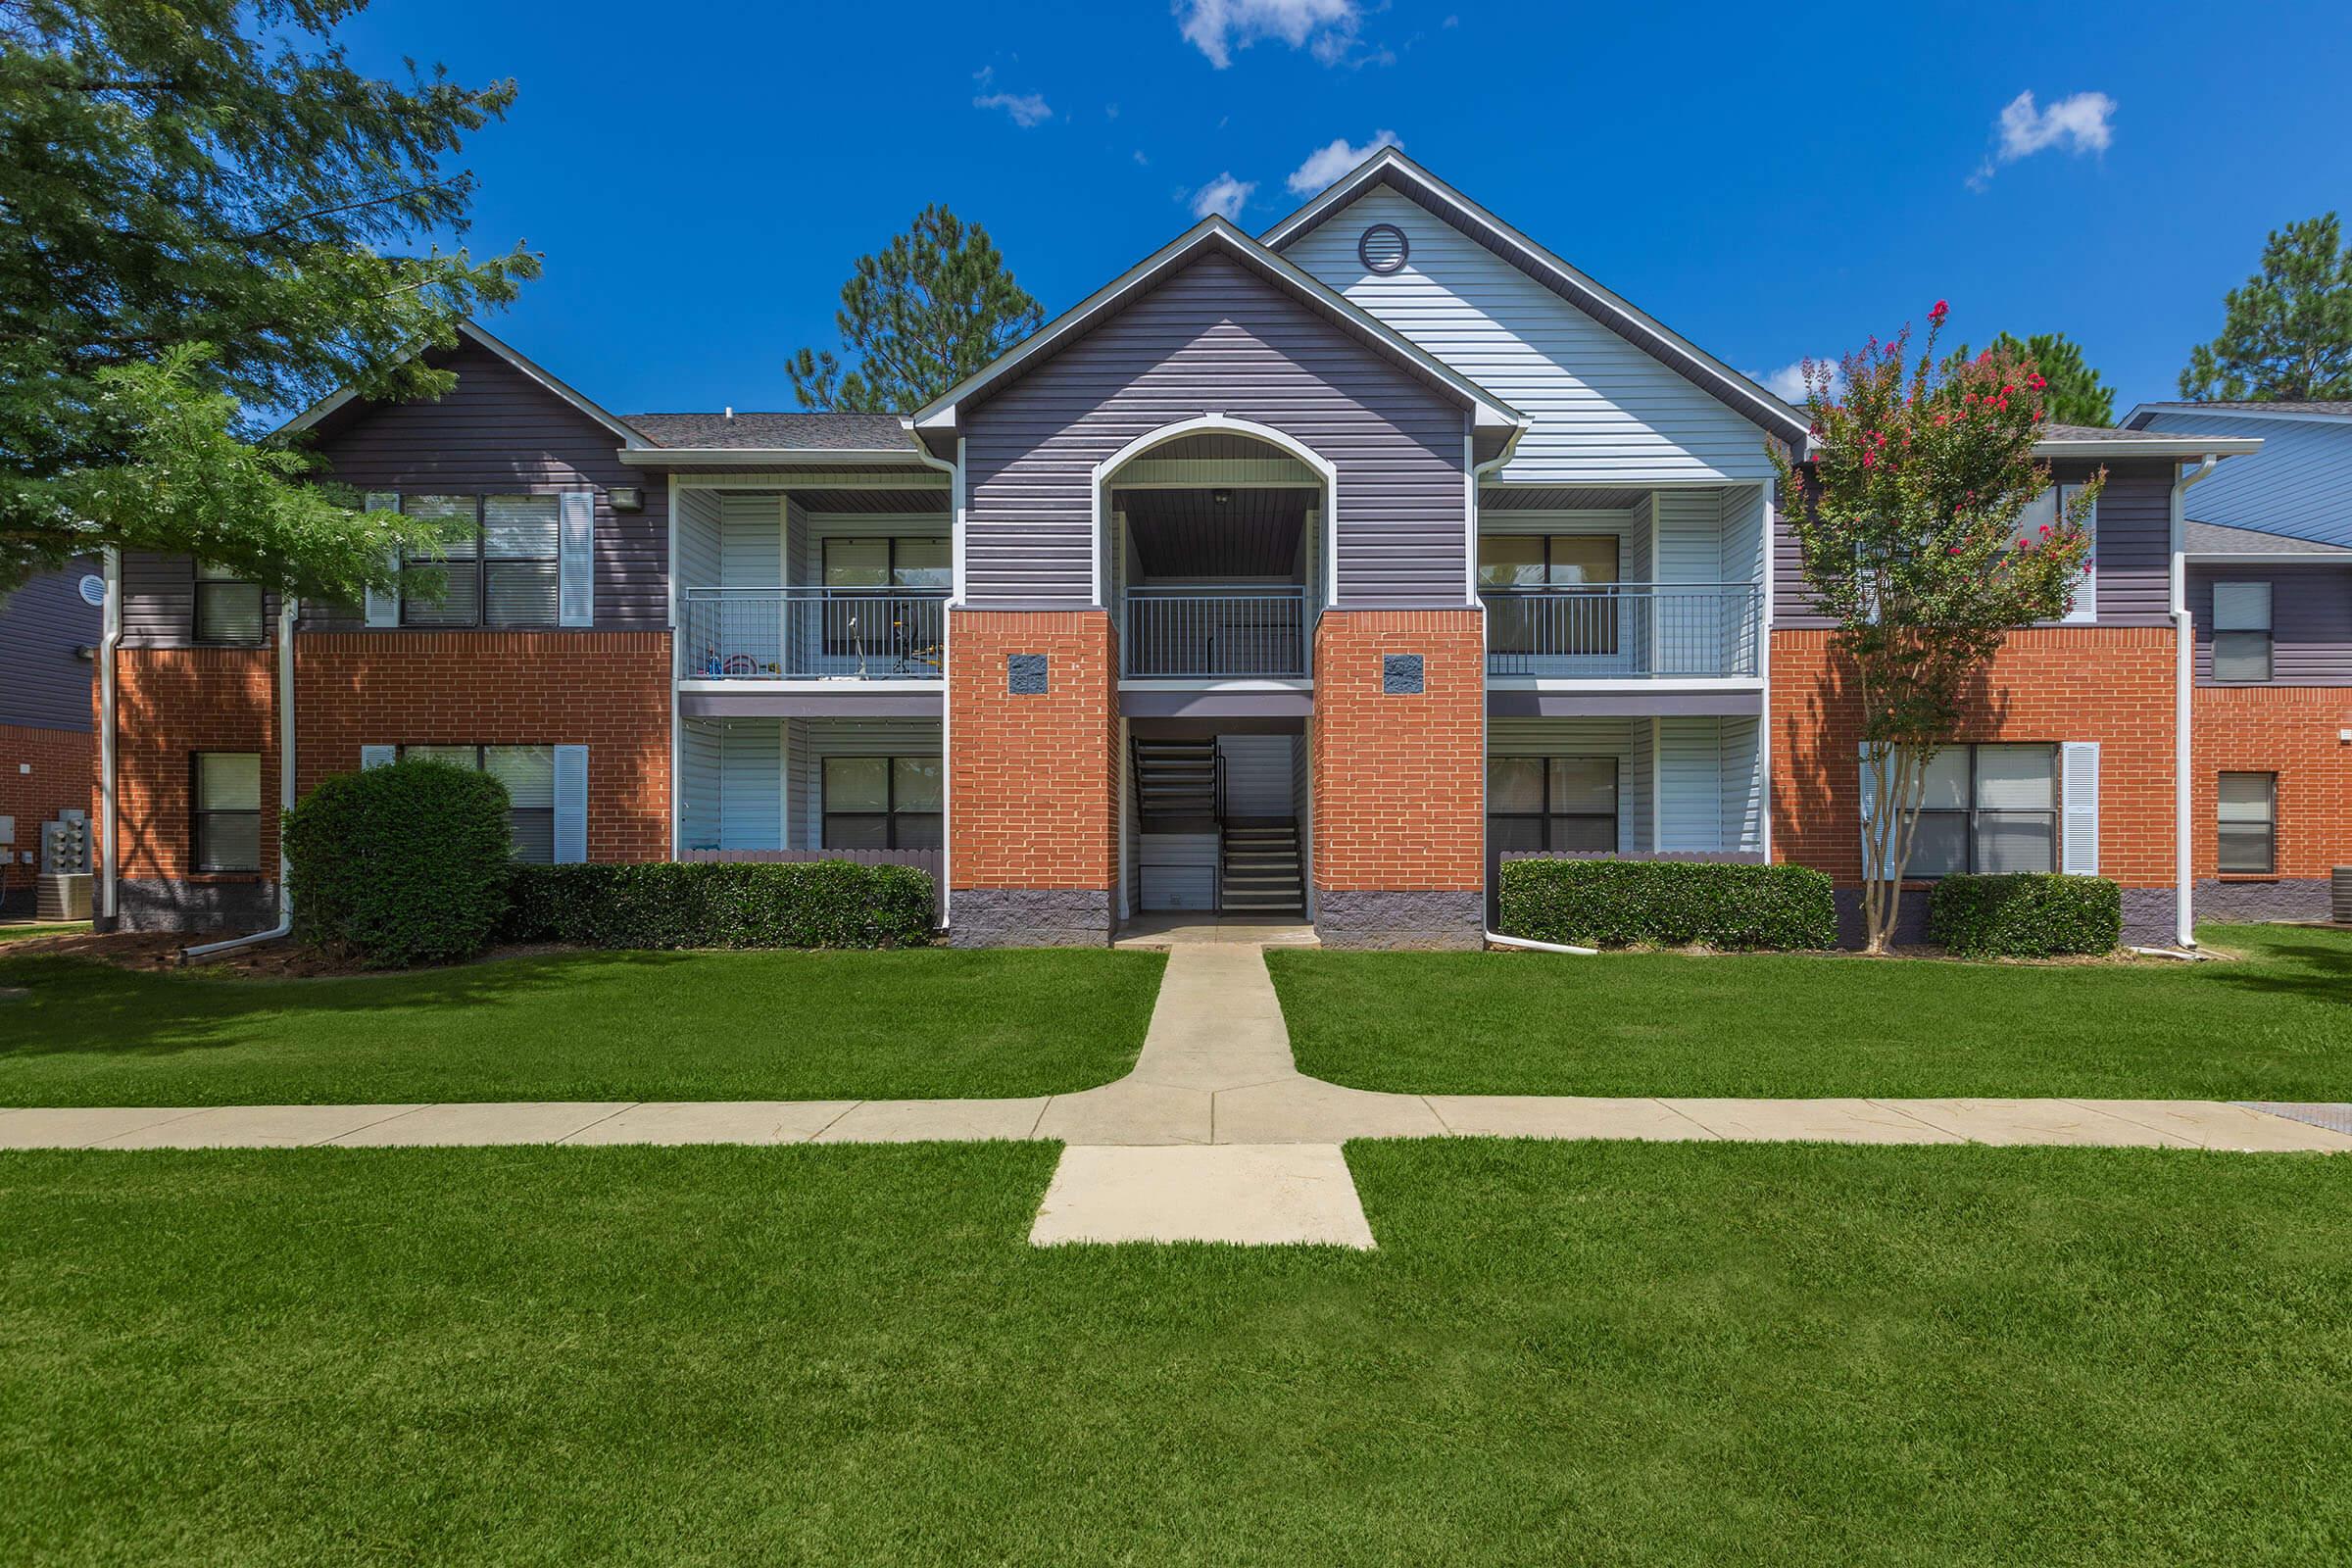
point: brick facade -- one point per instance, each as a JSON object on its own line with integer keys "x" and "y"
{"x": 2294, "y": 732}
{"x": 1033, "y": 777}
{"x": 1399, "y": 779}
{"x": 172, "y": 702}
{"x": 606, "y": 691}
{"x": 42, "y": 772}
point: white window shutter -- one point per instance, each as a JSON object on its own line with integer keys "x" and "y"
{"x": 571, "y": 805}
{"x": 2078, "y": 786}
{"x": 2085, "y": 607}
{"x": 383, "y": 608}
{"x": 378, "y": 756}
{"x": 575, "y": 568}
{"x": 1870, "y": 801}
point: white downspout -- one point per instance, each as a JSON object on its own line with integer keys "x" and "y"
{"x": 1479, "y": 472}
{"x": 2183, "y": 689}
{"x": 110, "y": 638}
{"x": 287, "y": 607}
{"x": 947, "y": 655}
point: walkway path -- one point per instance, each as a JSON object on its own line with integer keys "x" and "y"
{"x": 1215, "y": 1135}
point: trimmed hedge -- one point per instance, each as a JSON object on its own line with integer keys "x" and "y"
{"x": 671, "y": 904}
{"x": 1669, "y": 904}
{"x": 2025, "y": 915}
{"x": 400, "y": 865}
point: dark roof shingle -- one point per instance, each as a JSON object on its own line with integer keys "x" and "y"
{"x": 2223, "y": 539}
{"x": 804, "y": 432}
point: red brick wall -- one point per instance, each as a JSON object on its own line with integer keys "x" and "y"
{"x": 171, "y": 702}
{"x": 608, "y": 691}
{"x": 2110, "y": 684}
{"x": 2290, "y": 731}
{"x": 63, "y": 764}
{"x": 1033, "y": 781}
{"x": 1399, "y": 781}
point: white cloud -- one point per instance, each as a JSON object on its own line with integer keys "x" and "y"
{"x": 1140, "y": 162}
{"x": 1224, "y": 195}
{"x": 1026, "y": 108}
{"x": 2080, "y": 124}
{"x": 1787, "y": 383}
{"x": 1328, "y": 163}
{"x": 1217, "y": 28}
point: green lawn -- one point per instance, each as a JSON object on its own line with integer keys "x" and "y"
{"x": 581, "y": 1026}
{"x": 2273, "y": 1025}
{"x": 1563, "y": 1352}
{"x": 26, "y": 933}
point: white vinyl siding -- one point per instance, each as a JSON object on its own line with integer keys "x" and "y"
{"x": 1603, "y": 410}
{"x": 751, "y": 542}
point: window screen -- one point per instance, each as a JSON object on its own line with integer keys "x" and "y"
{"x": 1987, "y": 808}
{"x": 2249, "y": 824}
{"x": 2241, "y": 631}
{"x": 520, "y": 537}
{"x": 227, "y": 830}
{"x": 229, "y": 609}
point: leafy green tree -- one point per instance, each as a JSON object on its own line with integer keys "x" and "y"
{"x": 2072, "y": 394}
{"x": 207, "y": 214}
{"x": 935, "y": 306}
{"x": 2288, "y": 331}
{"x": 1908, "y": 528}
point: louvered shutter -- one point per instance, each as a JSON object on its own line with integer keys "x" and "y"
{"x": 2079, "y": 804}
{"x": 576, "y": 561}
{"x": 383, "y": 606}
{"x": 571, "y": 805}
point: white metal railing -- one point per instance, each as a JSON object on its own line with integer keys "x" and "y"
{"x": 1192, "y": 633}
{"x": 1655, "y": 630}
{"x": 813, "y": 634}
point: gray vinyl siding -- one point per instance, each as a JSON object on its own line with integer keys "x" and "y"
{"x": 1743, "y": 763}
{"x": 697, "y": 538}
{"x": 158, "y": 601}
{"x": 497, "y": 430}
{"x": 44, "y": 682}
{"x": 2311, "y": 619}
{"x": 2132, "y": 548}
{"x": 1215, "y": 339}
{"x": 2299, "y": 483}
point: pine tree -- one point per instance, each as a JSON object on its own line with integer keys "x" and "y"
{"x": 2288, "y": 332}
{"x": 936, "y": 305}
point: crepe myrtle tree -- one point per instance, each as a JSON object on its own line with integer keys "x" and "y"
{"x": 1907, "y": 515}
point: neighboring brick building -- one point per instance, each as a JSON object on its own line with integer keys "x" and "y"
{"x": 47, "y": 631}
{"x": 1308, "y": 573}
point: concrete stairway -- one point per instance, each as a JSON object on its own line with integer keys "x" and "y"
{"x": 1261, "y": 869}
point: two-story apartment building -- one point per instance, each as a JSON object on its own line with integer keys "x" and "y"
{"x": 1307, "y": 572}
{"x": 47, "y": 631}
{"x": 2268, "y": 576}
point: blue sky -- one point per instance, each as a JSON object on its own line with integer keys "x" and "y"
{"x": 1770, "y": 183}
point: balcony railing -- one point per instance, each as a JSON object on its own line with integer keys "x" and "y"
{"x": 1207, "y": 634}
{"x": 813, "y": 634}
{"x": 1660, "y": 631}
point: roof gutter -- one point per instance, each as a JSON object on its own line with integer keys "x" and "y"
{"x": 286, "y": 609}
{"x": 2184, "y": 655}
{"x": 766, "y": 457}
{"x": 2185, "y": 448}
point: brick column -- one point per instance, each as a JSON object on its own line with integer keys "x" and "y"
{"x": 1399, "y": 760}
{"x": 172, "y": 703}
{"x": 1033, "y": 766}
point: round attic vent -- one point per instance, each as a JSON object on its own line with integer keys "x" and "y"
{"x": 1383, "y": 248}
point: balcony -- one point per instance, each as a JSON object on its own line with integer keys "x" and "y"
{"x": 1617, "y": 631}
{"x": 844, "y": 634}
{"x": 1226, "y": 633}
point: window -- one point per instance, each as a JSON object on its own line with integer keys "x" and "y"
{"x": 2241, "y": 631}
{"x": 229, "y": 609}
{"x": 504, "y": 571}
{"x": 1552, "y": 803}
{"x": 882, "y": 803}
{"x": 882, "y": 565}
{"x": 226, "y": 829}
{"x": 529, "y": 774}
{"x": 1987, "y": 808}
{"x": 2249, "y": 824}
{"x": 1532, "y": 623}
{"x": 2043, "y": 512}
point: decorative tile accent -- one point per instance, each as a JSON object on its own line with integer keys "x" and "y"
{"x": 1400, "y": 674}
{"x": 1026, "y": 674}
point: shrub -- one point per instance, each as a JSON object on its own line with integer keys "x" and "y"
{"x": 400, "y": 865}
{"x": 802, "y": 904}
{"x": 2025, "y": 915}
{"x": 1614, "y": 904}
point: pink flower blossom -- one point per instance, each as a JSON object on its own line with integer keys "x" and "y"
{"x": 1935, "y": 316}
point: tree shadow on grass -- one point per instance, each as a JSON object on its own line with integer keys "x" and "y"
{"x": 77, "y": 1006}
{"x": 2314, "y": 966}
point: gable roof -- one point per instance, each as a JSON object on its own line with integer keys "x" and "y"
{"x": 936, "y": 424}
{"x": 2222, "y": 540}
{"x": 1392, "y": 167}
{"x": 800, "y": 431}
{"x": 469, "y": 332}
{"x": 2314, "y": 409}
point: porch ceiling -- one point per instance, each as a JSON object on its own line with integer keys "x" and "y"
{"x": 1192, "y": 534}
